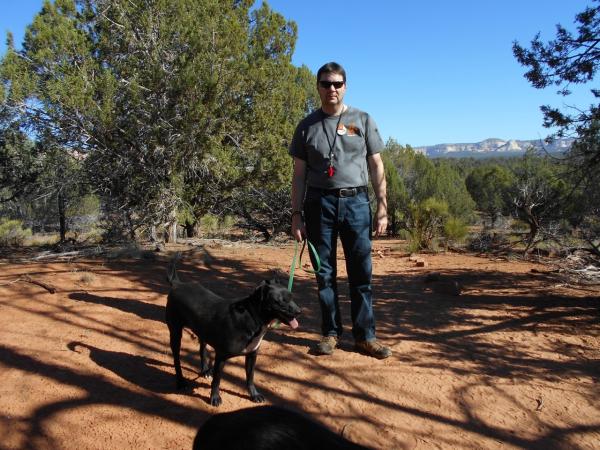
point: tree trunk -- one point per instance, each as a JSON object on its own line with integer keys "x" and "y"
{"x": 153, "y": 236}
{"x": 534, "y": 227}
{"x": 130, "y": 226}
{"x": 190, "y": 229}
{"x": 172, "y": 232}
{"x": 62, "y": 216}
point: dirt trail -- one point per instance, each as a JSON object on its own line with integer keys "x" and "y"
{"x": 511, "y": 362}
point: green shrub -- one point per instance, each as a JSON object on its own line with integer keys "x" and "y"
{"x": 455, "y": 230}
{"x": 43, "y": 240}
{"x": 427, "y": 217}
{"x": 404, "y": 234}
{"x": 227, "y": 223}
{"x": 413, "y": 245}
{"x": 519, "y": 226}
{"x": 93, "y": 236}
{"x": 209, "y": 224}
{"x": 12, "y": 232}
{"x": 87, "y": 205}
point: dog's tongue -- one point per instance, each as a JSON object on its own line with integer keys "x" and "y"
{"x": 293, "y": 324}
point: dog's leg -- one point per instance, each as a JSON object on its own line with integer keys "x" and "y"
{"x": 215, "y": 398}
{"x": 175, "y": 332}
{"x": 205, "y": 369}
{"x": 255, "y": 396}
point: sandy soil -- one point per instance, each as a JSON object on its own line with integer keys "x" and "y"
{"x": 511, "y": 362}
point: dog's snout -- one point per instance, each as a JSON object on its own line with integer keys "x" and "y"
{"x": 296, "y": 309}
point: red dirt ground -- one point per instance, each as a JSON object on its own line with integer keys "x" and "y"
{"x": 512, "y": 362}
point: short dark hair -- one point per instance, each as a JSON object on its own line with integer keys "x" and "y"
{"x": 331, "y": 67}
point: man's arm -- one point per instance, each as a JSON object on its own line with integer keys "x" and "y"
{"x": 377, "y": 173}
{"x": 298, "y": 190}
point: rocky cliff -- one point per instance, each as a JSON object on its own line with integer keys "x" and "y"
{"x": 493, "y": 148}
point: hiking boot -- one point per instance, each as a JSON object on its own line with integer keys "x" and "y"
{"x": 372, "y": 348}
{"x": 327, "y": 345}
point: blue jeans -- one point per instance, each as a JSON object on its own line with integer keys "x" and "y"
{"x": 328, "y": 217}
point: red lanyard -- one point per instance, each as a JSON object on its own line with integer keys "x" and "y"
{"x": 331, "y": 169}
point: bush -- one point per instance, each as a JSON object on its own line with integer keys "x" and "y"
{"x": 485, "y": 242}
{"x": 519, "y": 226}
{"x": 211, "y": 225}
{"x": 427, "y": 218}
{"x": 413, "y": 246}
{"x": 12, "y": 232}
{"x": 455, "y": 230}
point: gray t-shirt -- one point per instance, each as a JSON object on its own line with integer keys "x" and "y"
{"x": 356, "y": 137}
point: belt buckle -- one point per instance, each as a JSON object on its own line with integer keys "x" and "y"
{"x": 347, "y": 192}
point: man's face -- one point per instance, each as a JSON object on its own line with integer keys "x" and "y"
{"x": 330, "y": 95}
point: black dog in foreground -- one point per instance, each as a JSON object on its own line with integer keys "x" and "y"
{"x": 268, "y": 428}
{"x": 232, "y": 327}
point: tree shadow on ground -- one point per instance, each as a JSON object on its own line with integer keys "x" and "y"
{"x": 453, "y": 325}
{"x": 147, "y": 373}
{"x": 99, "y": 391}
{"x": 459, "y": 325}
{"x": 143, "y": 310}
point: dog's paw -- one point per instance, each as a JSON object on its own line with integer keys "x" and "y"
{"x": 257, "y": 398}
{"x": 215, "y": 400}
{"x": 206, "y": 373}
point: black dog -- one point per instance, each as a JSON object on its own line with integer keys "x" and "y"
{"x": 232, "y": 327}
{"x": 267, "y": 428}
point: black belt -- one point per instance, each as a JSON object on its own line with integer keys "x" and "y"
{"x": 341, "y": 192}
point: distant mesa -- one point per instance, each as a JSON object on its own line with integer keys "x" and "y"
{"x": 494, "y": 148}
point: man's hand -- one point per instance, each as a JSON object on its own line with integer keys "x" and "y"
{"x": 377, "y": 173}
{"x": 298, "y": 228}
{"x": 381, "y": 221}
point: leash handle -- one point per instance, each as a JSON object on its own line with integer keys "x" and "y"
{"x": 315, "y": 255}
{"x": 294, "y": 265}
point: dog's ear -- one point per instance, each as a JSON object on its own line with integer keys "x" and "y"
{"x": 278, "y": 275}
{"x": 172, "y": 276}
{"x": 259, "y": 292}
{"x": 264, "y": 289}
{"x": 276, "y": 281}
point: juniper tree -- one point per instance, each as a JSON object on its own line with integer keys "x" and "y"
{"x": 572, "y": 58}
{"x": 169, "y": 103}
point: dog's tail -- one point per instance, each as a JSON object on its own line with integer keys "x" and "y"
{"x": 172, "y": 277}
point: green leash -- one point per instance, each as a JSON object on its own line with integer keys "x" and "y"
{"x": 276, "y": 323}
{"x": 294, "y": 265}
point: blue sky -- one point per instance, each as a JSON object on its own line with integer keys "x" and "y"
{"x": 429, "y": 72}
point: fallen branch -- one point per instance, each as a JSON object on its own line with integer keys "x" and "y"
{"x": 28, "y": 279}
{"x": 545, "y": 272}
{"x": 456, "y": 249}
{"x": 57, "y": 255}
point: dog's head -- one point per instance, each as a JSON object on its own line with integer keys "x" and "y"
{"x": 276, "y": 303}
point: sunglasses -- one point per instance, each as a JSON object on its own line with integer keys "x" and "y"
{"x": 328, "y": 84}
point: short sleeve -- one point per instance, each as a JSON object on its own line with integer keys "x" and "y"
{"x": 373, "y": 138}
{"x": 297, "y": 146}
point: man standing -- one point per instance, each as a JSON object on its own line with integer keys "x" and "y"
{"x": 335, "y": 149}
